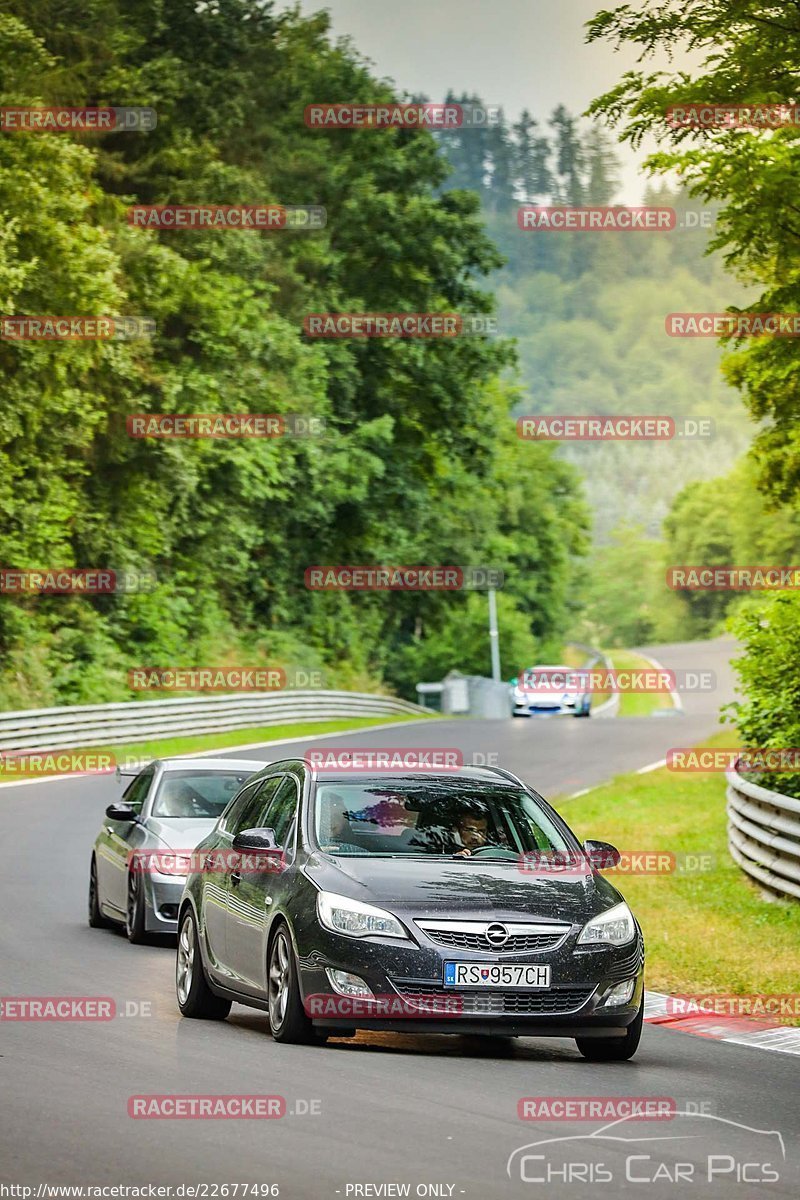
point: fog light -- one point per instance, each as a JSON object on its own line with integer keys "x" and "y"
{"x": 349, "y": 985}
{"x": 620, "y": 994}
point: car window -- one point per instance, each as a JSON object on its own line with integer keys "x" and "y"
{"x": 248, "y": 814}
{"x": 197, "y": 792}
{"x": 136, "y": 792}
{"x": 279, "y": 814}
{"x": 238, "y": 803}
{"x": 441, "y": 817}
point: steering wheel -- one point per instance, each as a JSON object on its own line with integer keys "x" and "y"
{"x": 496, "y": 851}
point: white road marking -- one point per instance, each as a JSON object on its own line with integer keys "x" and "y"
{"x": 662, "y": 762}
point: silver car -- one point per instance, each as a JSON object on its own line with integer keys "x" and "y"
{"x": 551, "y": 690}
{"x": 143, "y": 853}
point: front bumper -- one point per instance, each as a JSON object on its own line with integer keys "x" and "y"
{"x": 405, "y": 976}
{"x": 162, "y": 898}
{"x": 542, "y": 707}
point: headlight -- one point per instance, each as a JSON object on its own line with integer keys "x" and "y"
{"x": 172, "y": 864}
{"x": 354, "y": 919}
{"x": 612, "y": 928}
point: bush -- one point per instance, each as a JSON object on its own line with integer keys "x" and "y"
{"x": 768, "y": 716}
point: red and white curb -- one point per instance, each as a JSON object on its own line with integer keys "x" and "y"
{"x": 744, "y": 1031}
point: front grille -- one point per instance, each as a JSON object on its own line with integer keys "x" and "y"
{"x": 477, "y": 941}
{"x": 560, "y": 1001}
{"x": 458, "y": 936}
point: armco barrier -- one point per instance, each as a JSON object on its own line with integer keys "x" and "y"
{"x": 140, "y": 721}
{"x": 764, "y": 834}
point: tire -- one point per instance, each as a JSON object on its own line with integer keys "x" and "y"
{"x": 195, "y": 998}
{"x": 287, "y": 1019}
{"x": 96, "y": 918}
{"x": 135, "y": 910}
{"x": 614, "y": 1049}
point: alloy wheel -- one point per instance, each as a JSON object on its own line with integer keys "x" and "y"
{"x": 279, "y": 979}
{"x": 185, "y": 962}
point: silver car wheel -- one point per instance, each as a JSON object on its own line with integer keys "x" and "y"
{"x": 185, "y": 963}
{"x": 279, "y": 980}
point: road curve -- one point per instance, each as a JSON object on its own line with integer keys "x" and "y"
{"x": 393, "y": 1109}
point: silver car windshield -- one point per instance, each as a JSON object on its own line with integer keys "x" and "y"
{"x": 432, "y": 817}
{"x": 196, "y": 793}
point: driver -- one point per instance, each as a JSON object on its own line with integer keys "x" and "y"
{"x": 471, "y": 831}
{"x": 177, "y": 799}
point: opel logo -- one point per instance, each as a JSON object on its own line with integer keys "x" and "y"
{"x": 496, "y": 935}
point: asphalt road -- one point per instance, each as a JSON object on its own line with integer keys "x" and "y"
{"x": 436, "y": 1113}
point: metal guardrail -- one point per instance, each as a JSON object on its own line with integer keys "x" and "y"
{"x": 140, "y": 721}
{"x": 764, "y": 834}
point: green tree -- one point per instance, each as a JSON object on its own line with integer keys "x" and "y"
{"x": 748, "y": 53}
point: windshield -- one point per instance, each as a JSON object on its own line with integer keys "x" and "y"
{"x": 445, "y": 818}
{"x": 196, "y": 793}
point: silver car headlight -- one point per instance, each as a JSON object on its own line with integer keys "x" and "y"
{"x": 340, "y": 914}
{"x": 612, "y": 928}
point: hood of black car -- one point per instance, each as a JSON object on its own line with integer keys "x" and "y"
{"x": 458, "y": 888}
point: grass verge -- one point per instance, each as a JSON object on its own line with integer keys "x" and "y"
{"x": 229, "y": 740}
{"x": 637, "y": 704}
{"x": 708, "y": 931}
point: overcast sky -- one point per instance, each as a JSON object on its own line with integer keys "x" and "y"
{"x": 518, "y": 53}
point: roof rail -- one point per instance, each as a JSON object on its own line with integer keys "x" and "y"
{"x": 506, "y": 774}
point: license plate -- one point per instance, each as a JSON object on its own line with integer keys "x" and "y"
{"x": 495, "y": 975}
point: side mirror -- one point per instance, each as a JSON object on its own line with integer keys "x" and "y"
{"x": 121, "y": 812}
{"x": 602, "y": 855}
{"x": 256, "y": 839}
{"x": 260, "y": 851}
